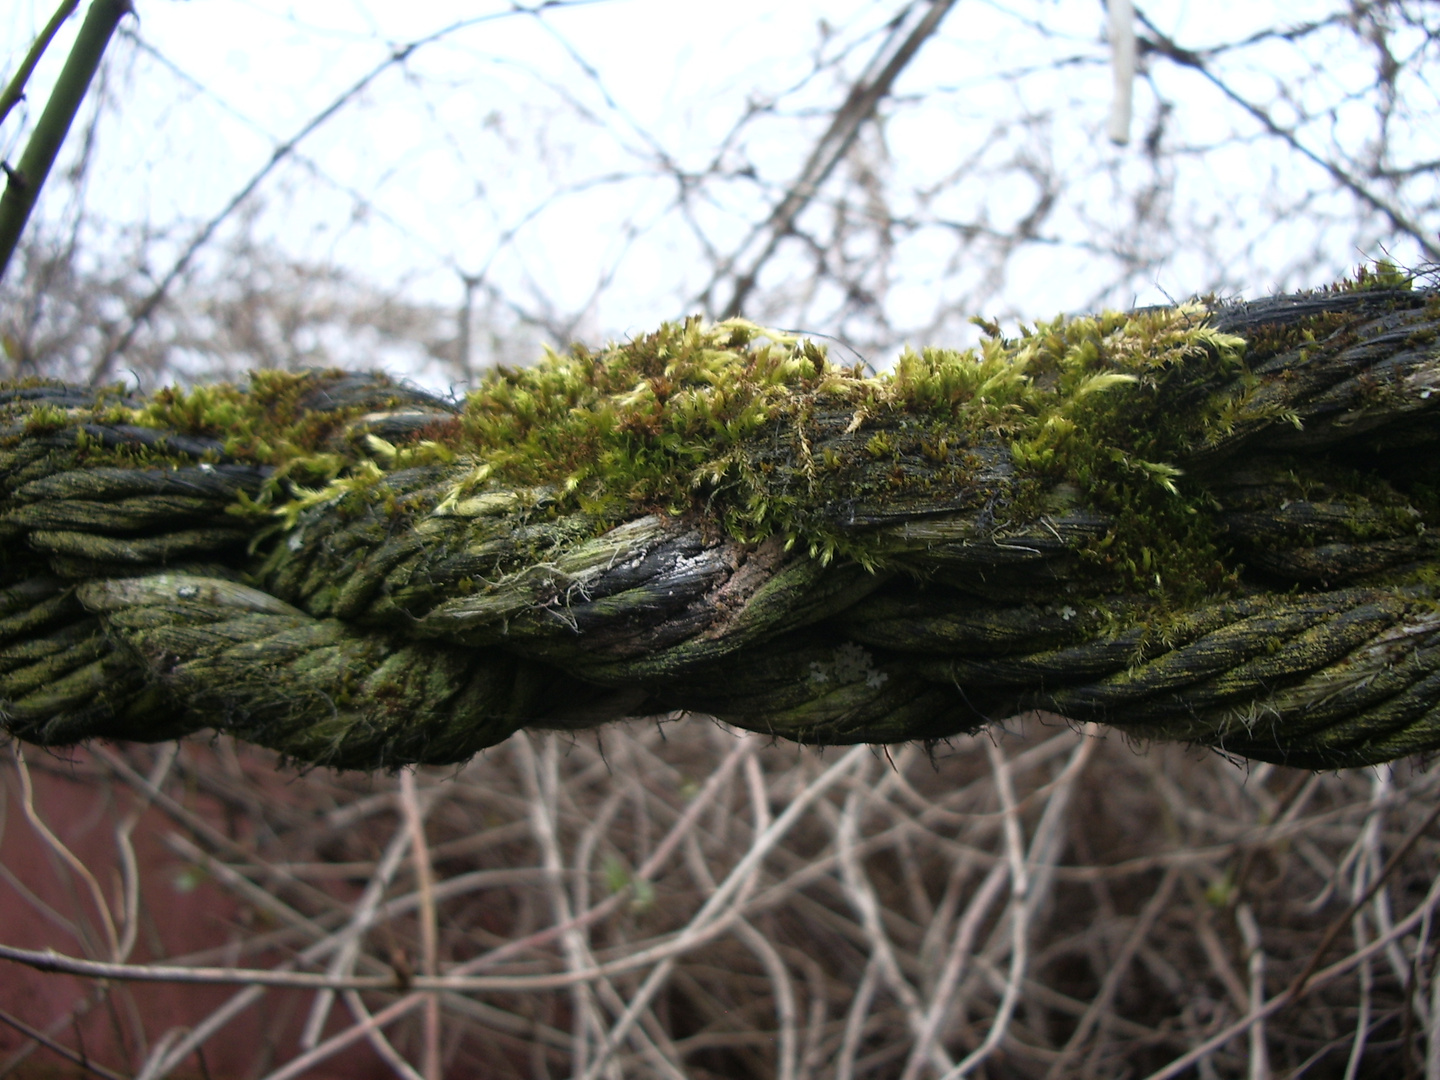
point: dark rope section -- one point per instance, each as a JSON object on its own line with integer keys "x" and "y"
{"x": 1137, "y": 520}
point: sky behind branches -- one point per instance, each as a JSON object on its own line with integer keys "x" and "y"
{"x": 590, "y": 168}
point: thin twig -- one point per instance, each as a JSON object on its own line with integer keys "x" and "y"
{"x": 54, "y": 843}
{"x": 858, "y": 107}
{"x": 141, "y": 314}
{"x": 363, "y": 915}
{"x": 717, "y": 913}
{"x": 1315, "y": 978}
{"x": 1100, "y": 1003}
{"x": 1298, "y": 987}
{"x": 429, "y": 926}
{"x": 1165, "y": 46}
{"x": 1250, "y": 935}
{"x": 332, "y": 1046}
{"x": 58, "y": 1048}
{"x": 129, "y": 866}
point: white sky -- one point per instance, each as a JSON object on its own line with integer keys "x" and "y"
{"x": 525, "y": 149}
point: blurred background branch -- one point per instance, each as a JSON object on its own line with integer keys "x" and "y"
{"x": 532, "y": 175}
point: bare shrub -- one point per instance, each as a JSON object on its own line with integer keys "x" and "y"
{"x": 881, "y": 178}
{"x": 678, "y": 900}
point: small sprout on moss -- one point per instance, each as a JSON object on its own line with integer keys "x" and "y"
{"x": 880, "y": 446}
{"x": 1163, "y": 474}
{"x": 45, "y": 419}
{"x": 385, "y": 452}
{"x": 1379, "y": 274}
{"x": 364, "y": 478}
{"x": 1102, "y": 380}
{"x": 989, "y": 327}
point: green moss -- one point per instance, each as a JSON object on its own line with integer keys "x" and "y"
{"x": 1276, "y": 338}
{"x": 62, "y": 431}
{"x": 648, "y": 424}
{"x": 46, "y": 419}
{"x": 1377, "y": 274}
{"x": 758, "y": 434}
{"x": 265, "y": 422}
{"x": 758, "y": 430}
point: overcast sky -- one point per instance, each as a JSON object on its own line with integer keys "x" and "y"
{"x": 539, "y": 152}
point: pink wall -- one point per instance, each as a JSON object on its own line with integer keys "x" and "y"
{"x": 181, "y": 913}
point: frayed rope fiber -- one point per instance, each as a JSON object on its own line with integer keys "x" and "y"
{"x": 1205, "y": 523}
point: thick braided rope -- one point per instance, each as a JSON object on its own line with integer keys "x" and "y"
{"x": 1190, "y": 524}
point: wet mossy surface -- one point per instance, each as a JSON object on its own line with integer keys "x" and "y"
{"x": 1210, "y": 522}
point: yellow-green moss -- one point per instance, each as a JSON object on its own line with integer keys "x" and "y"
{"x": 759, "y": 433}
{"x": 264, "y": 422}
{"x": 680, "y": 420}
{"x": 1376, "y": 274}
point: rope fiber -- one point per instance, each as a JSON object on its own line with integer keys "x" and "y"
{"x": 1141, "y": 520}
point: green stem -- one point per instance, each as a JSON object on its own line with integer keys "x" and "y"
{"x": 25, "y": 181}
{"x": 15, "y": 91}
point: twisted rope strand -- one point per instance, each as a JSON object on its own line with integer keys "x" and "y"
{"x": 1206, "y": 524}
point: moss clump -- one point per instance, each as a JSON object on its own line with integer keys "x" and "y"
{"x": 45, "y": 420}
{"x": 757, "y": 428}
{"x": 759, "y": 433}
{"x": 649, "y": 425}
{"x": 1378, "y": 274}
{"x": 269, "y": 422}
